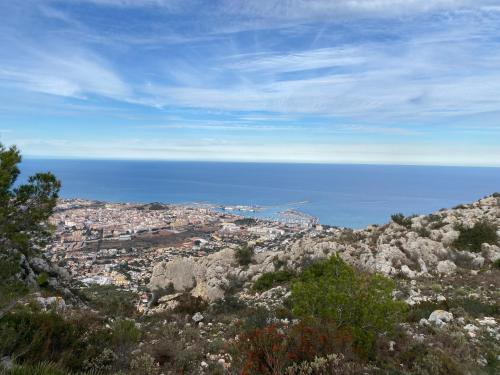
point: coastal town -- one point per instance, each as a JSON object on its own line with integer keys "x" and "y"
{"x": 119, "y": 243}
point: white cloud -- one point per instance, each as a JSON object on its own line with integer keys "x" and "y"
{"x": 167, "y": 4}
{"x": 68, "y": 73}
{"x": 304, "y": 9}
{"x": 313, "y": 59}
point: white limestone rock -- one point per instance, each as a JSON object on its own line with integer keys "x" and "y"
{"x": 178, "y": 273}
{"x": 440, "y": 317}
{"x": 205, "y": 277}
{"x": 198, "y": 317}
{"x": 471, "y": 330}
{"x": 491, "y": 253}
{"x": 446, "y": 267}
{"x": 406, "y": 271}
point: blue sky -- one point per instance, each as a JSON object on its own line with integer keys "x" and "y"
{"x": 341, "y": 81}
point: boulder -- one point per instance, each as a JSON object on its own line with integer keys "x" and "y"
{"x": 40, "y": 265}
{"x": 6, "y": 363}
{"x": 198, "y": 317}
{"x": 471, "y": 330}
{"x": 446, "y": 267}
{"x": 490, "y": 252}
{"x": 206, "y": 277}
{"x": 178, "y": 274}
{"x": 440, "y": 317}
{"x": 51, "y": 302}
{"x": 406, "y": 271}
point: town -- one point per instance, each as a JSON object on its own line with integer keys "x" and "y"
{"x": 119, "y": 243}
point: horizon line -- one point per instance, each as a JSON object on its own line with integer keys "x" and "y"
{"x": 304, "y": 162}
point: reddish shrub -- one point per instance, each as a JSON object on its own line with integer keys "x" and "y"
{"x": 270, "y": 350}
{"x": 264, "y": 351}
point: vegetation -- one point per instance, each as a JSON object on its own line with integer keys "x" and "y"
{"x": 245, "y": 221}
{"x": 269, "y": 280}
{"x": 340, "y": 309}
{"x": 110, "y": 300}
{"x": 335, "y": 293}
{"x": 471, "y": 239}
{"x": 44, "y": 368}
{"x": 337, "y": 319}
{"x": 24, "y": 211}
{"x": 244, "y": 255}
{"x": 401, "y": 219}
{"x": 31, "y": 336}
{"x": 496, "y": 264}
{"x": 43, "y": 279}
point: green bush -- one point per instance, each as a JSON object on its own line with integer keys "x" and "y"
{"x": 476, "y": 307}
{"x": 472, "y": 238}
{"x": 436, "y": 363}
{"x": 496, "y": 264}
{"x": 24, "y": 208}
{"x": 269, "y": 280}
{"x": 125, "y": 332}
{"x": 33, "y": 336}
{"x": 401, "y": 219}
{"x": 38, "y": 336}
{"x": 110, "y": 300}
{"x": 335, "y": 293}
{"x": 245, "y": 221}
{"x": 43, "y": 280}
{"x": 244, "y": 255}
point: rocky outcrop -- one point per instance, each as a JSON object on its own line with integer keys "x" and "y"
{"x": 206, "y": 277}
{"x": 420, "y": 249}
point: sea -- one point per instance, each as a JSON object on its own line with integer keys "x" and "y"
{"x": 341, "y": 195}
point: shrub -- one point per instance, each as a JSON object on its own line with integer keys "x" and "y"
{"x": 245, "y": 221}
{"x": 257, "y": 318}
{"x": 190, "y": 305}
{"x": 436, "y": 363}
{"x": 272, "y": 350}
{"x": 475, "y": 307}
{"x": 330, "y": 364}
{"x": 472, "y": 238}
{"x": 335, "y": 293}
{"x": 43, "y": 368}
{"x": 244, "y": 255}
{"x": 38, "y": 336}
{"x": 228, "y": 305}
{"x": 43, "y": 280}
{"x": 270, "y": 279}
{"x": 424, "y": 232}
{"x": 401, "y": 219}
{"x": 110, "y": 300}
{"x": 496, "y": 264}
{"x": 102, "y": 363}
{"x": 263, "y": 351}
{"x": 125, "y": 332}
{"x": 144, "y": 365}
{"x": 175, "y": 352}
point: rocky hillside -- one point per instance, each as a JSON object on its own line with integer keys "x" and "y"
{"x": 409, "y": 247}
{"x": 417, "y": 296}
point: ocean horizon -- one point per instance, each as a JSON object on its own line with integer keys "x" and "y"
{"x": 348, "y": 195}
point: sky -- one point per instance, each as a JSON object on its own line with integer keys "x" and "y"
{"x": 320, "y": 81}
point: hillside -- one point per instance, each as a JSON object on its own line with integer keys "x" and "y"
{"x": 418, "y": 295}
